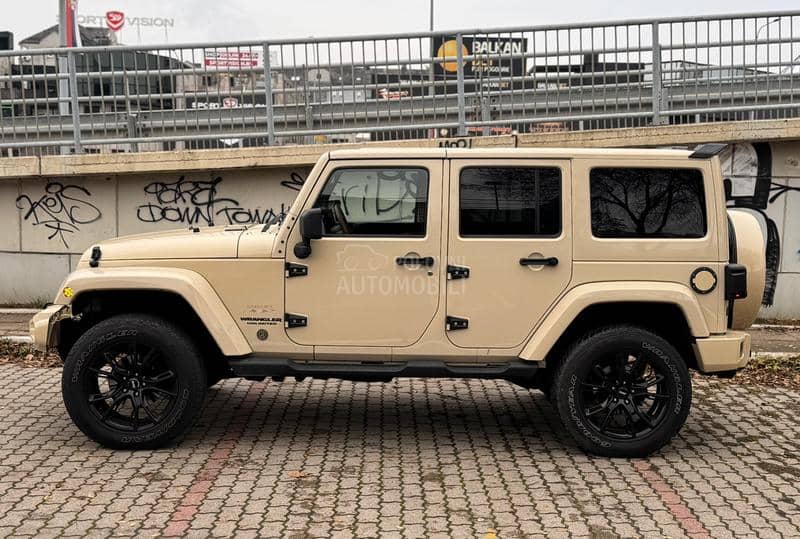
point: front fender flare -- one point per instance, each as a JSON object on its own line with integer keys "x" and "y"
{"x": 579, "y": 298}
{"x": 190, "y": 285}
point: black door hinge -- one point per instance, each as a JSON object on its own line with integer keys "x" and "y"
{"x": 457, "y": 272}
{"x": 294, "y": 320}
{"x": 295, "y": 270}
{"x": 453, "y": 322}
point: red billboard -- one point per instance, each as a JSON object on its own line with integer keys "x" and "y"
{"x": 238, "y": 59}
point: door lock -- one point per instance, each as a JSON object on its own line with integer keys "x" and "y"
{"x": 453, "y": 323}
{"x": 457, "y": 272}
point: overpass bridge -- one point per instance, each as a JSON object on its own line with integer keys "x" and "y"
{"x": 628, "y": 73}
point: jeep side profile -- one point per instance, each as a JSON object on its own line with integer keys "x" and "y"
{"x": 598, "y": 276}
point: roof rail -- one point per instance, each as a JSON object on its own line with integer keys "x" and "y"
{"x": 707, "y": 151}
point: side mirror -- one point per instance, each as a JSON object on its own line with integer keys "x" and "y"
{"x": 311, "y": 228}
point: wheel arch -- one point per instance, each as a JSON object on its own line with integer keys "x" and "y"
{"x": 667, "y": 309}
{"x": 182, "y": 296}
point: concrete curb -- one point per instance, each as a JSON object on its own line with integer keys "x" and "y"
{"x": 776, "y": 326}
{"x": 18, "y": 311}
{"x": 776, "y": 355}
{"x": 20, "y": 339}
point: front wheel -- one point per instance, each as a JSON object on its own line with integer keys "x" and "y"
{"x": 134, "y": 382}
{"x": 622, "y": 392}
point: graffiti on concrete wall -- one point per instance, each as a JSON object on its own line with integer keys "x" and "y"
{"x": 61, "y": 209}
{"x": 295, "y": 182}
{"x": 198, "y": 202}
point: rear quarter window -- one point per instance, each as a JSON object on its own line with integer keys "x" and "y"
{"x": 647, "y": 202}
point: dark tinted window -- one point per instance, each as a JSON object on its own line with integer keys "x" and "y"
{"x": 510, "y": 201}
{"x": 375, "y": 202}
{"x": 647, "y": 203}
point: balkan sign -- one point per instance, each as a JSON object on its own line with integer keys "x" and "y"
{"x": 237, "y": 59}
{"x": 493, "y": 56}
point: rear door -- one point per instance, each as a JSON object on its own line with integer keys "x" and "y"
{"x": 508, "y": 230}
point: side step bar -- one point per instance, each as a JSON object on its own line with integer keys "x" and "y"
{"x": 517, "y": 371}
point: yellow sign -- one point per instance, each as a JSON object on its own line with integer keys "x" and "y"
{"x": 450, "y": 49}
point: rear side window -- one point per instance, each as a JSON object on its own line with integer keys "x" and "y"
{"x": 647, "y": 203}
{"x": 513, "y": 201}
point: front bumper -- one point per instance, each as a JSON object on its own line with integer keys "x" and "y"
{"x": 44, "y": 326}
{"x": 729, "y": 351}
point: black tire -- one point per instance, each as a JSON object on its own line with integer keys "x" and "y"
{"x": 133, "y": 381}
{"x": 622, "y": 392}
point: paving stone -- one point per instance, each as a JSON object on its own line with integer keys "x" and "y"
{"x": 412, "y": 458}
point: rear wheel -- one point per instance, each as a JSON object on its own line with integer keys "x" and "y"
{"x": 133, "y": 381}
{"x": 622, "y": 392}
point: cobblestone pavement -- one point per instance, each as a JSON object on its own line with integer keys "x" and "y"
{"x": 412, "y": 458}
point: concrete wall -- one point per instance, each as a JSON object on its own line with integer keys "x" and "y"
{"x": 46, "y": 223}
{"x": 785, "y": 211}
{"x": 53, "y": 208}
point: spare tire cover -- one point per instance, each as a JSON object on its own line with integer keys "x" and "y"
{"x": 750, "y": 250}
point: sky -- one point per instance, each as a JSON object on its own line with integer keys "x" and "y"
{"x": 235, "y": 20}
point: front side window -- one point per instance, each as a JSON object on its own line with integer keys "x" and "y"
{"x": 510, "y": 201}
{"x": 375, "y": 202}
{"x": 647, "y": 203}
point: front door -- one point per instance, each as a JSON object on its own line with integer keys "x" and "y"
{"x": 373, "y": 279}
{"x": 509, "y": 228}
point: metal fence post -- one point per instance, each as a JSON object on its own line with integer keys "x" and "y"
{"x": 486, "y": 115}
{"x": 73, "y": 97}
{"x": 658, "y": 86}
{"x": 268, "y": 96}
{"x": 462, "y": 112}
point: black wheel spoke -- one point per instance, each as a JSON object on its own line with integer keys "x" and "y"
{"x": 629, "y": 422}
{"x": 638, "y": 367}
{"x": 99, "y": 397}
{"x": 148, "y": 357}
{"x": 650, "y": 382}
{"x": 148, "y": 412}
{"x": 164, "y": 376}
{"x": 648, "y": 395}
{"x": 598, "y": 371}
{"x": 604, "y": 423}
{"x": 596, "y": 410}
{"x": 114, "y": 406}
{"x": 621, "y": 362}
{"x": 160, "y": 391}
{"x": 103, "y": 374}
{"x": 642, "y": 416}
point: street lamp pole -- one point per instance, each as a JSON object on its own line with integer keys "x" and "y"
{"x": 63, "y": 83}
{"x": 432, "y": 71}
{"x": 773, "y": 21}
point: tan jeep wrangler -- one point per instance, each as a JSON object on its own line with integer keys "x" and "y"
{"x": 600, "y": 277}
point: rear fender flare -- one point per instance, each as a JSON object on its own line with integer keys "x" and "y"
{"x": 567, "y": 309}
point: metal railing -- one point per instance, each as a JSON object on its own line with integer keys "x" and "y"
{"x": 416, "y": 85}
